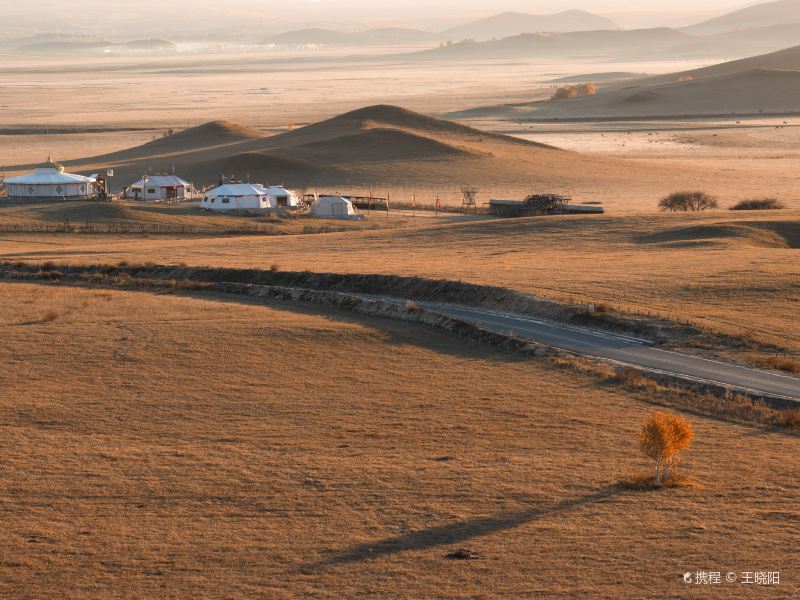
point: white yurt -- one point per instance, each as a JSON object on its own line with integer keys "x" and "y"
{"x": 50, "y": 182}
{"x": 335, "y": 207}
{"x": 280, "y": 197}
{"x": 160, "y": 188}
{"x": 237, "y": 196}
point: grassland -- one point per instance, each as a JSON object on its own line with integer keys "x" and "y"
{"x": 156, "y": 445}
{"x": 153, "y": 217}
{"x": 714, "y": 269}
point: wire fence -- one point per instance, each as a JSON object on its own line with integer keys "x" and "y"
{"x": 159, "y": 229}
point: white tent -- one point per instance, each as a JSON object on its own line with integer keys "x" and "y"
{"x": 279, "y": 196}
{"x": 237, "y": 196}
{"x": 50, "y": 182}
{"x": 159, "y": 188}
{"x": 332, "y": 207}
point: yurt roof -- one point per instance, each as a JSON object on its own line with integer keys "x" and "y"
{"x": 334, "y": 200}
{"x": 48, "y": 176}
{"x": 278, "y": 189}
{"x": 161, "y": 181}
{"x": 238, "y": 189}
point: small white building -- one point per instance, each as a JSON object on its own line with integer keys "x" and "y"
{"x": 49, "y": 182}
{"x": 237, "y": 196}
{"x": 333, "y": 207}
{"x": 160, "y": 188}
{"x": 280, "y": 197}
{"x": 249, "y": 196}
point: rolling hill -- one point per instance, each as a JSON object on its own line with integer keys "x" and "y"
{"x": 765, "y": 84}
{"x": 385, "y": 146}
{"x": 766, "y": 14}
{"x": 753, "y": 91}
{"x": 512, "y": 23}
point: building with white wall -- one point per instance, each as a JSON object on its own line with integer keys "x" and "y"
{"x": 49, "y": 182}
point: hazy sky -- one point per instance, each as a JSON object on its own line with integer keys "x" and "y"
{"x": 279, "y": 14}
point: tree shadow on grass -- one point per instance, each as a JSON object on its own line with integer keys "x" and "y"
{"x": 461, "y": 531}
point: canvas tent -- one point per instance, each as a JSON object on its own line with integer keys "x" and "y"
{"x": 159, "y": 188}
{"x": 279, "y": 197}
{"x": 50, "y": 182}
{"x": 237, "y": 196}
{"x": 332, "y": 207}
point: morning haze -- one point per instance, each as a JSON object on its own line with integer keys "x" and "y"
{"x": 348, "y": 299}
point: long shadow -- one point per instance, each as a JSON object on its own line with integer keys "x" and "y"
{"x": 394, "y": 331}
{"x": 461, "y": 531}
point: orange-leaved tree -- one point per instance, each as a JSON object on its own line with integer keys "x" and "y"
{"x": 662, "y": 438}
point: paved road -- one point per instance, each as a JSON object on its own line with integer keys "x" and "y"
{"x": 628, "y": 350}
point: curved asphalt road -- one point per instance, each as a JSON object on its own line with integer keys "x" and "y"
{"x": 628, "y": 350}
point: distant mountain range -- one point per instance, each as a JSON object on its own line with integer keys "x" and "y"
{"x": 601, "y": 43}
{"x": 757, "y": 29}
{"x": 77, "y": 44}
{"x": 767, "y": 14}
{"x": 497, "y": 26}
{"x": 622, "y": 45}
{"x": 369, "y": 37}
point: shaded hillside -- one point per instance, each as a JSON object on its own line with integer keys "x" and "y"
{"x": 752, "y": 91}
{"x": 761, "y": 15}
{"x": 761, "y": 84}
{"x": 781, "y": 60}
{"x": 512, "y": 23}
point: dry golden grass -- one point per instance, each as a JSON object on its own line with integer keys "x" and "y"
{"x": 162, "y": 446}
{"x": 782, "y": 363}
{"x": 713, "y": 269}
{"x": 183, "y": 215}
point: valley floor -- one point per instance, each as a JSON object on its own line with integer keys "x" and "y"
{"x": 152, "y": 448}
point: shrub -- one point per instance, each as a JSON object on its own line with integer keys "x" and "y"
{"x": 688, "y": 201}
{"x": 661, "y": 438}
{"x": 562, "y": 93}
{"x": 759, "y": 204}
{"x": 573, "y": 91}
